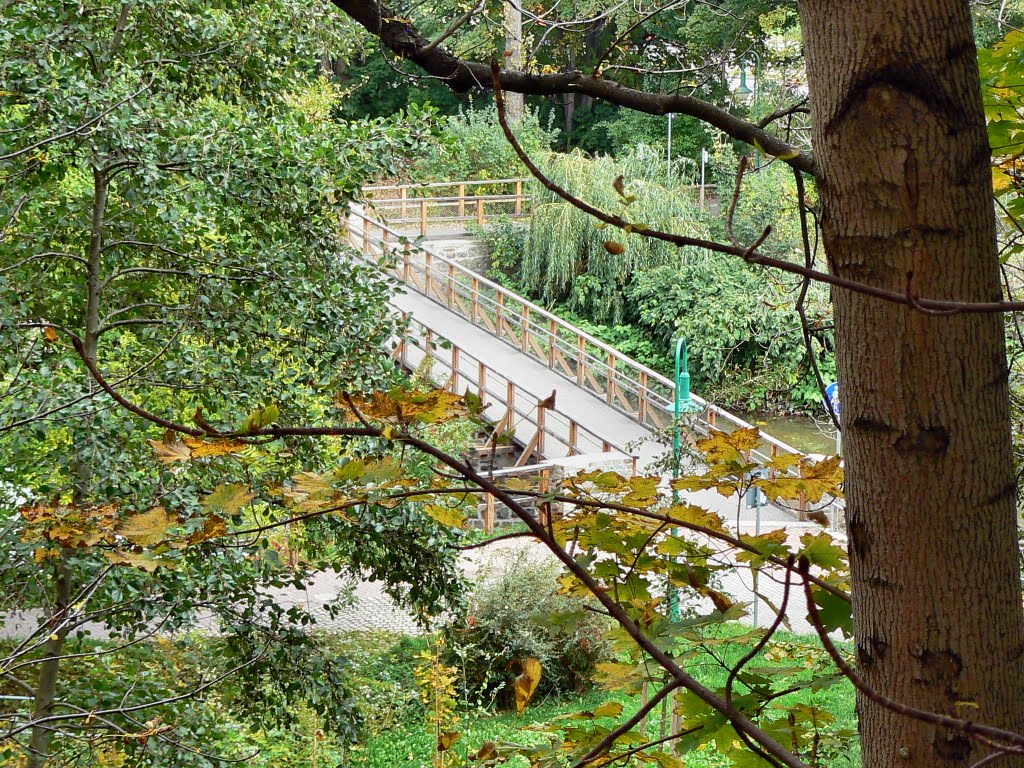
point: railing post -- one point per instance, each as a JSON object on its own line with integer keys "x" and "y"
{"x": 642, "y": 402}
{"x": 519, "y": 197}
{"x": 500, "y": 323}
{"x": 429, "y": 260}
{"x": 581, "y": 358}
{"x": 712, "y": 417}
{"x": 479, "y": 211}
{"x": 525, "y": 327}
{"x": 366, "y": 236}
{"x": 455, "y": 369}
{"x": 606, "y": 447}
{"x": 552, "y": 338}
{"x": 573, "y": 429}
{"x": 451, "y": 285}
{"x": 474, "y": 308}
{"x": 462, "y": 200}
{"x": 540, "y": 430}
{"x": 423, "y": 217}
{"x": 481, "y": 381}
{"x": 489, "y": 514}
{"x": 611, "y": 378}
{"x": 402, "y": 193}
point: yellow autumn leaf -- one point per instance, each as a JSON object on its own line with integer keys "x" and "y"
{"x": 147, "y": 528}
{"x": 609, "y": 709}
{"x": 1001, "y": 180}
{"x": 168, "y": 453}
{"x": 526, "y": 682}
{"x": 214, "y": 447}
{"x": 213, "y": 528}
{"x": 228, "y": 499}
{"x": 729, "y": 446}
{"x": 696, "y": 515}
{"x": 141, "y": 560}
{"x": 453, "y": 518}
{"x": 400, "y": 406}
{"x": 614, "y": 247}
{"x": 771, "y": 544}
{"x": 816, "y": 480}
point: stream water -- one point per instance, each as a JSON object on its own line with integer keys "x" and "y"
{"x": 799, "y": 431}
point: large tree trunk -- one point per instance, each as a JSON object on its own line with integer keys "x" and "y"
{"x": 905, "y": 186}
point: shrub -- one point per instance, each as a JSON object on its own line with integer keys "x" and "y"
{"x": 472, "y": 146}
{"x": 517, "y": 614}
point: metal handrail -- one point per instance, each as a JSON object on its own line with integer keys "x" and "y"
{"x": 370, "y": 190}
{"x": 575, "y": 432}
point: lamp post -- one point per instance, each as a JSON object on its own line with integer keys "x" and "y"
{"x": 683, "y": 403}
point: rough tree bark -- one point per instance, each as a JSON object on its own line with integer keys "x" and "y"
{"x": 903, "y": 173}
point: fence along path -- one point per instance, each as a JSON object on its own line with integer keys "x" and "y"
{"x": 453, "y": 300}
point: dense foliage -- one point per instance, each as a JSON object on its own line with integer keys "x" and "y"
{"x": 515, "y": 613}
{"x": 171, "y": 185}
{"x": 747, "y": 347}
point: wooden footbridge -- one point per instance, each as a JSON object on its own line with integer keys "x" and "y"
{"x": 564, "y": 392}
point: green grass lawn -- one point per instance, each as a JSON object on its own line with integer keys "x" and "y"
{"x": 412, "y": 745}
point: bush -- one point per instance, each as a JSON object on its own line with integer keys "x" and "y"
{"x": 518, "y": 614}
{"x": 471, "y": 146}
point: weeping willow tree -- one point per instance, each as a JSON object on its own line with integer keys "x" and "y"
{"x": 569, "y": 256}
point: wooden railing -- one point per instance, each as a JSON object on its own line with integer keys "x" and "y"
{"x": 544, "y": 431}
{"x": 623, "y": 383}
{"x": 444, "y": 207}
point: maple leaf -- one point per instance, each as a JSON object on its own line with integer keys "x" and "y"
{"x": 453, "y": 518}
{"x": 214, "y": 447}
{"x": 142, "y": 560}
{"x": 170, "y": 452}
{"x": 771, "y": 544}
{"x": 228, "y": 499}
{"x": 399, "y": 406}
{"x": 816, "y": 480}
{"x": 213, "y": 528}
{"x": 820, "y": 549}
{"x": 729, "y": 447}
{"x": 147, "y": 528}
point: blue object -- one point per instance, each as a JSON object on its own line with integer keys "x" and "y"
{"x": 832, "y": 393}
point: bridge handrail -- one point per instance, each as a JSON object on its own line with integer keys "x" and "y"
{"x": 433, "y": 184}
{"x": 531, "y": 415}
{"x": 391, "y": 241}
